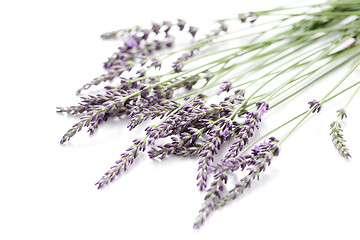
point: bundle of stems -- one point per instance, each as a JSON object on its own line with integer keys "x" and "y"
{"x": 220, "y": 86}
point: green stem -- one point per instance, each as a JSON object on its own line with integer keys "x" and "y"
{"x": 338, "y": 55}
{"x": 352, "y": 97}
{"x": 322, "y": 55}
{"x": 352, "y": 69}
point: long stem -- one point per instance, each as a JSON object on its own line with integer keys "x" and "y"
{"x": 322, "y": 55}
{"x": 340, "y": 55}
{"x": 352, "y": 69}
{"x": 352, "y": 97}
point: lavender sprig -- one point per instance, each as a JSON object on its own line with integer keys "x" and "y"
{"x": 337, "y": 136}
{"x": 338, "y": 139}
{"x": 246, "y": 130}
{"x": 127, "y": 158}
{"x": 261, "y": 155}
{"x": 137, "y": 47}
{"x": 219, "y": 133}
{"x": 316, "y": 105}
{"x": 341, "y": 113}
{"x": 91, "y": 120}
{"x": 212, "y": 198}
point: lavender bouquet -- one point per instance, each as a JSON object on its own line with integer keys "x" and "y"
{"x": 219, "y": 86}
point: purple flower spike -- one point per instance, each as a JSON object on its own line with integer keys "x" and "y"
{"x": 212, "y": 197}
{"x": 246, "y": 131}
{"x": 316, "y": 105}
{"x": 261, "y": 156}
{"x": 127, "y": 158}
{"x": 218, "y": 134}
{"x": 342, "y": 114}
{"x": 338, "y": 139}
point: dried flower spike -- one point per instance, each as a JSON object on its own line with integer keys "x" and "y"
{"x": 261, "y": 155}
{"x": 338, "y": 139}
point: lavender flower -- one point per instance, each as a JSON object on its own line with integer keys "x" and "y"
{"x": 220, "y": 132}
{"x": 127, "y": 158}
{"x": 212, "y": 197}
{"x": 261, "y": 155}
{"x": 91, "y": 120}
{"x": 341, "y": 113}
{"x": 338, "y": 139}
{"x": 246, "y": 131}
{"x": 98, "y": 109}
{"x": 316, "y": 105}
{"x": 136, "y": 47}
{"x": 135, "y": 99}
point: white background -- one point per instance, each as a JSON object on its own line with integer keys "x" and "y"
{"x": 49, "y": 49}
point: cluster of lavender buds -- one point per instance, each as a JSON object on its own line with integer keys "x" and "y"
{"x": 315, "y": 105}
{"x": 138, "y": 44}
{"x": 219, "y": 132}
{"x": 255, "y": 162}
{"x": 337, "y": 136}
{"x": 251, "y": 17}
{"x": 195, "y": 130}
{"x": 246, "y": 130}
{"x": 127, "y": 158}
{"x": 199, "y": 102}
